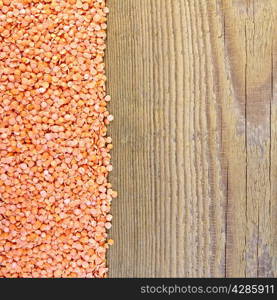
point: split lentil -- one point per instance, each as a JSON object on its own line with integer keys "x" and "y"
{"x": 54, "y": 150}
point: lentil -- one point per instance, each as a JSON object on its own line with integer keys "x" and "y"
{"x": 54, "y": 152}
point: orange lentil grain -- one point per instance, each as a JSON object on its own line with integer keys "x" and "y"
{"x": 54, "y": 152}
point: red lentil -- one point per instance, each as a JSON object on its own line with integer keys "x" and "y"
{"x": 54, "y": 152}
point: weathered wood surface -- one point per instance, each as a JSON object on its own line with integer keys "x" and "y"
{"x": 195, "y": 137}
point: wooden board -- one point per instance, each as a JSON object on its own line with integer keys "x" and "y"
{"x": 193, "y": 86}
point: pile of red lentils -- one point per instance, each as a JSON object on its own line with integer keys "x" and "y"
{"x": 54, "y": 150}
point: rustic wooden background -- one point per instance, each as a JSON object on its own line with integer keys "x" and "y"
{"x": 193, "y": 84}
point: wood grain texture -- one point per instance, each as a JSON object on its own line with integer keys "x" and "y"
{"x": 193, "y": 87}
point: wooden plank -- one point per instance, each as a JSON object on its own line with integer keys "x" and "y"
{"x": 192, "y": 90}
{"x": 259, "y": 34}
{"x": 230, "y": 71}
{"x": 249, "y": 32}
